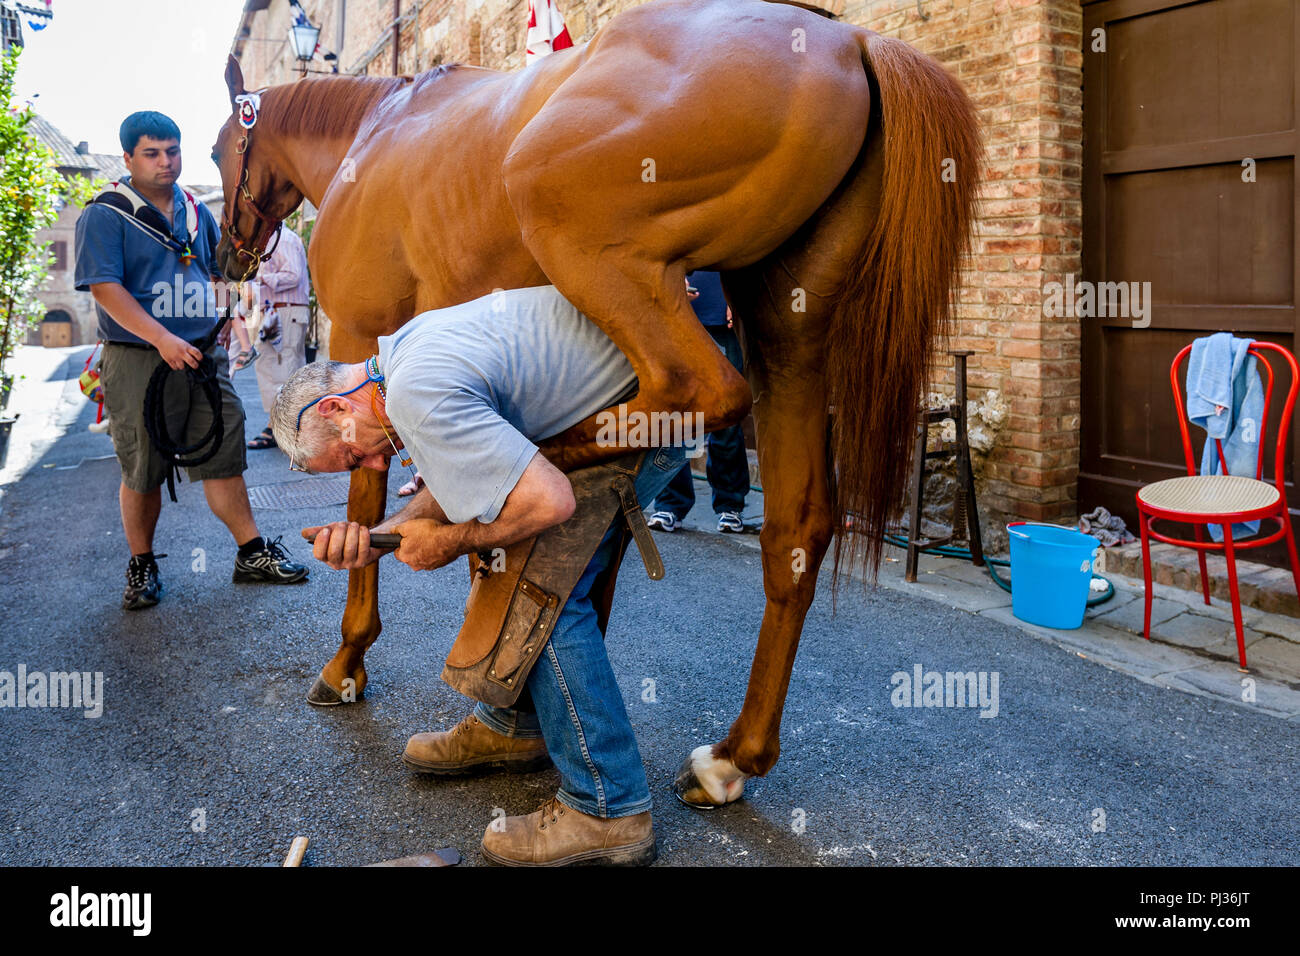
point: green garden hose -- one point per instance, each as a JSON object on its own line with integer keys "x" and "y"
{"x": 948, "y": 551}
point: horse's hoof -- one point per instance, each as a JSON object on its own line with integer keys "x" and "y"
{"x": 702, "y": 782}
{"x": 688, "y": 790}
{"x": 323, "y": 695}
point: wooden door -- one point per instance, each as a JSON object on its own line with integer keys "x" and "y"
{"x": 1189, "y": 183}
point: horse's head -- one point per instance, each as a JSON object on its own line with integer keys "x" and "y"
{"x": 258, "y": 195}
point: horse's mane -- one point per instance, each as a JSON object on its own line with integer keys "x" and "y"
{"x": 329, "y": 106}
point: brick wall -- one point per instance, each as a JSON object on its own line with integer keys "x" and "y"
{"x": 1020, "y": 61}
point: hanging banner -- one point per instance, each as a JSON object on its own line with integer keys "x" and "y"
{"x": 546, "y": 30}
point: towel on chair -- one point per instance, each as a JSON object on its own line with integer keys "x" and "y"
{"x": 1226, "y": 398}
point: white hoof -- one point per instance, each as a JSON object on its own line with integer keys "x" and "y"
{"x": 707, "y": 781}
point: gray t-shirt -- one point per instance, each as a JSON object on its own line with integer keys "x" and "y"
{"x": 472, "y": 387}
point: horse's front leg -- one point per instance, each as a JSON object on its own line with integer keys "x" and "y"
{"x": 344, "y": 678}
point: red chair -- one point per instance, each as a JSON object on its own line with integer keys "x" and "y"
{"x": 1201, "y": 500}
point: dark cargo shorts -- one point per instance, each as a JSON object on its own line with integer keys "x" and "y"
{"x": 124, "y": 372}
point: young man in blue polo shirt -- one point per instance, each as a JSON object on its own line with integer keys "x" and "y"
{"x": 154, "y": 297}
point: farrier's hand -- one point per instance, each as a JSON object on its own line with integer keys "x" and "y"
{"x": 425, "y": 544}
{"x": 178, "y": 353}
{"x": 343, "y": 545}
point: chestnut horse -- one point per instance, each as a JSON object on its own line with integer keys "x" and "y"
{"x": 826, "y": 171}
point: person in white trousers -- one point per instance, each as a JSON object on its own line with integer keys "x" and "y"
{"x": 282, "y": 289}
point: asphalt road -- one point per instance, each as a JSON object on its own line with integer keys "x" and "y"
{"x": 204, "y": 718}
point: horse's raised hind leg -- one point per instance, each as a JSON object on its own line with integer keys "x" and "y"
{"x": 790, "y": 411}
{"x": 344, "y": 678}
{"x": 644, "y": 309}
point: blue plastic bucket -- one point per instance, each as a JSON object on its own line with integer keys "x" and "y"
{"x": 1051, "y": 570}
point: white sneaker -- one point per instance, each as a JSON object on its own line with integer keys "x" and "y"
{"x": 730, "y": 522}
{"x": 98, "y": 428}
{"x": 662, "y": 521}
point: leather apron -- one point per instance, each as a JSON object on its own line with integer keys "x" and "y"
{"x": 514, "y": 601}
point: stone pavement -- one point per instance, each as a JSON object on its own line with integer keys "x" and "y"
{"x": 1193, "y": 646}
{"x": 46, "y": 399}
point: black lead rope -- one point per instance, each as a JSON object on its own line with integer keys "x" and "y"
{"x": 155, "y": 413}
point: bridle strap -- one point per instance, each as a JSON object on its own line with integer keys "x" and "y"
{"x": 253, "y": 250}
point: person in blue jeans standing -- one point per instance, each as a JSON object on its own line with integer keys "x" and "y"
{"x": 465, "y": 393}
{"x": 727, "y": 465}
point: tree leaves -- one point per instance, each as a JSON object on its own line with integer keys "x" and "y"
{"x": 32, "y": 193}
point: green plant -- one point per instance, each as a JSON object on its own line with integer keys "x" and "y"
{"x": 32, "y": 191}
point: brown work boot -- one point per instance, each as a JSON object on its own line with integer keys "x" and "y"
{"x": 470, "y": 747}
{"x": 556, "y": 835}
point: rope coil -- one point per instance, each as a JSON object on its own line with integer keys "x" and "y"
{"x": 205, "y": 377}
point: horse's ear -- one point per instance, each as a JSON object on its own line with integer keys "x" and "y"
{"x": 234, "y": 79}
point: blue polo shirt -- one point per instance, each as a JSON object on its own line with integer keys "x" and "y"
{"x": 179, "y": 296}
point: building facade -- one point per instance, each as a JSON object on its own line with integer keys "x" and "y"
{"x": 14, "y": 12}
{"x": 69, "y": 315}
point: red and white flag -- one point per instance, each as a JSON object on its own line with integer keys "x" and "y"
{"x": 546, "y": 30}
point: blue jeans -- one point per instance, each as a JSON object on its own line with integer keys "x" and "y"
{"x": 727, "y": 466}
{"x": 580, "y": 712}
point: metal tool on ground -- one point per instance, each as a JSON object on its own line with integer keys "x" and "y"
{"x": 447, "y": 856}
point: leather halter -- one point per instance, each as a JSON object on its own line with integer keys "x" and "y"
{"x": 250, "y": 249}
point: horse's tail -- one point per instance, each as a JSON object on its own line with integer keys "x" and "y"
{"x": 895, "y": 303}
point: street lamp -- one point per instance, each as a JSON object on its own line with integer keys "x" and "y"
{"x": 305, "y": 37}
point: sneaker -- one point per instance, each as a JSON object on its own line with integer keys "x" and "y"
{"x": 729, "y": 522}
{"x": 662, "y": 521}
{"x": 99, "y": 427}
{"x": 471, "y": 747}
{"x": 270, "y": 564}
{"x": 143, "y": 589}
{"x": 558, "y": 835}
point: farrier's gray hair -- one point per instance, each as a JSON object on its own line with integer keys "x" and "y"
{"x": 304, "y": 386}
